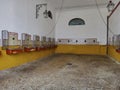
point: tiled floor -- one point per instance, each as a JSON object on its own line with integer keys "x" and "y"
{"x": 64, "y": 72}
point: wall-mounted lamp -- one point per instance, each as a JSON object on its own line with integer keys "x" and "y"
{"x": 38, "y": 7}
{"x": 110, "y": 6}
{"x": 46, "y": 13}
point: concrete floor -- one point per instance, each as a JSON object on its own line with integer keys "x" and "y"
{"x": 64, "y": 72}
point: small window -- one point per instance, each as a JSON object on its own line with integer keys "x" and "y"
{"x": 76, "y": 21}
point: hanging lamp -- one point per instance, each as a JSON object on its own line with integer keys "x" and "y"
{"x": 110, "y": 6}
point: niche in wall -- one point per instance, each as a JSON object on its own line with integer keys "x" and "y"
{"x": 76, "y": 21}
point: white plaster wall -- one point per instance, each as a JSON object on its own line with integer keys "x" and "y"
{"x": 20, "y": 16}
{"x": 116, "y": 1}
{"x": 94, "y": 28}
{"x": 114, "y": 23}
{"x": 6, "y": 14}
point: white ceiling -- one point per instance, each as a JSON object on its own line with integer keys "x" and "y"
{"x": 77, "y": 3}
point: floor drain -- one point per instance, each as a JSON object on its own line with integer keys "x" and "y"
{"x": 69, "y": 64}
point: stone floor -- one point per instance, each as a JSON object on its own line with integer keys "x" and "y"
{"x": 64, "y": 72}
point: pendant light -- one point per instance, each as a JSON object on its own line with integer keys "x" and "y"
{"x": 110, "y": 6}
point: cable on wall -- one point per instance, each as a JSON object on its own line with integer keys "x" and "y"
{"x": 61, "y": 7}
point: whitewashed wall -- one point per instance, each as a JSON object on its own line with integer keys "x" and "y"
{"x": 20, "y": 16}
{"x": 94, "y": 28}
{"x": 116, "y": 1}
{"x": 114, "y": 23}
